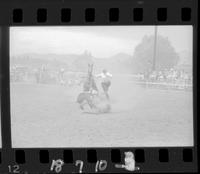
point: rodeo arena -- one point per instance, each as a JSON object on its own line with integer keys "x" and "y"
{"x": 103, "y": 88}
{"x": 66, "y": 102}
{"x": 172, "y": 79}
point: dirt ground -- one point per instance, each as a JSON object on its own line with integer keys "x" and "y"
{"x": 48, "y": 116}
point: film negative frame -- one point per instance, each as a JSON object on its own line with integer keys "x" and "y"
{"x": 112, "y": 12}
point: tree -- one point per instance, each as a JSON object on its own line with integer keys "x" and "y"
{"x": 143, "y": 58}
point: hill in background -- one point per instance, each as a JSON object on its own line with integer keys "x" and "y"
{"x": 119, "y": 63}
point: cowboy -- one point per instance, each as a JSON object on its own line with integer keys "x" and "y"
{"x": 106, "y": 81}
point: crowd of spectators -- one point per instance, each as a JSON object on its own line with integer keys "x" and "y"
{"x": 42, "y": 75}
{"x": 177, "y": 78}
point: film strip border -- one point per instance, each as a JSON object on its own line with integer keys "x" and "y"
{"x": 89, "y": 160}
{"x": 130, "y": 12}
{"x": 113, "y": 12}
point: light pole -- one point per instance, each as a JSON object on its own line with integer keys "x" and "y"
{"x": 155, "y": 48}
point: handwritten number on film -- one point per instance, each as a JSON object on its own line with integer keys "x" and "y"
{"x": 56, "y": 166}
{"x": 79, "y": 162}
{"x": 13, "y": 169}
{"x": 101, "y": 165}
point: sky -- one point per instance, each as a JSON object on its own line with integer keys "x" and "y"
{"x": 101, "y": 41}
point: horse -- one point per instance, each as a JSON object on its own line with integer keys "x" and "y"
{"x": 97, "y": 103}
